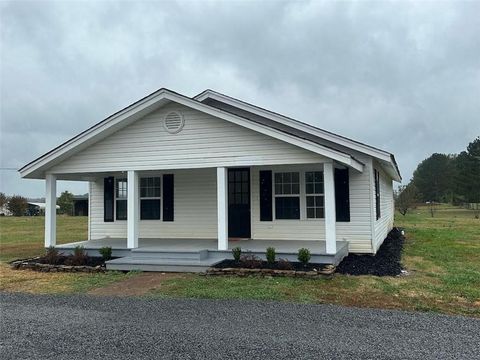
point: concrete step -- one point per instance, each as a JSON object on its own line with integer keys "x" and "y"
{"x": 166, "y": 254}
{"x": 156, "y": 264}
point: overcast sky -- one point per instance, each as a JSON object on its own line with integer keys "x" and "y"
{"x": 404, "y": 77}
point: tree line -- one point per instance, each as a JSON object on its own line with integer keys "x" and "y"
{"x": 17, "y": 205}
{"x": 444, "y": 178}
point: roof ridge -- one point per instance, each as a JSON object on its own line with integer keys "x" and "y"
{"x": 290, "y": 118}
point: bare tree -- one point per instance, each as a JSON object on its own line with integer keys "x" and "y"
{"x": 406, "y": 198}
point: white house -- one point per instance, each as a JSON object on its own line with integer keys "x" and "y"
{"x": 177, "y": 181}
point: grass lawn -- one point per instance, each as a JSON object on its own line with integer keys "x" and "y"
{"x": 22, "y": 237}
{"x": 442, "y": 255}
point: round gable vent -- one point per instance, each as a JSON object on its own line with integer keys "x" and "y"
{"x": 173, "y": 122}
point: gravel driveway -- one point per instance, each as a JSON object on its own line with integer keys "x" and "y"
{"x": 87, "y": 327}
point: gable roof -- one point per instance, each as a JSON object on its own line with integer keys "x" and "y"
{"x": 126, "y": 116}
{"x": 297, "y": 128}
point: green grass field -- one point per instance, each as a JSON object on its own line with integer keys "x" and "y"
{"x": 442, "y": 255}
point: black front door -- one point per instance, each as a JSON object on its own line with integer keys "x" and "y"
{"x": 239, "y": 203}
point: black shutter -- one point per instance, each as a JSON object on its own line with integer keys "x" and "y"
{"x": 108, "y": 198}
{"x": 168, "y": 197}
{"x": 342, "y": 195}
{"x": 266, "y": 195}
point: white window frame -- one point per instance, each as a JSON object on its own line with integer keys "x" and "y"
{"x": 302, "y": 169}
{"x": 116, "y": 179}
{"x": 151, "y": 197}
{"x": 275, "y": 195}
{"x": 314, "y": 194}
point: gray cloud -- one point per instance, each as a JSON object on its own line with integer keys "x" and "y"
{"x": 401, "y": 76}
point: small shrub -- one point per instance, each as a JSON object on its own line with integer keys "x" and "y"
{"x": 52, "y": 256}
{"x": 251, "y": 261}
{"x": 271, "y": 255}
{"x": 79, "y": 256}
{"x": 304, "y": 256}
{"x": 284, "y": 264}
{"x": 237, "y": 253}
{"x": 106, "y": 253}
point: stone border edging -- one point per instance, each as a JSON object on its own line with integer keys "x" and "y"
{"x": 31, "y": 264}
{"x": 327, "y": 271}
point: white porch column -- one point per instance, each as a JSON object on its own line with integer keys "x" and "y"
{"x": 330, "y": 217}
{"x": 222, "y": 208}
{"x": 132, "y": 209}
{"x": 50, "y": 210}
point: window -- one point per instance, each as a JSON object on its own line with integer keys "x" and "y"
{"x": 377, "y": 192}
{"x": 150, "y": 197}
{"x": 287, "y": 195}
{"x": 121, "y": 199}
{"x": 314, "y": 192}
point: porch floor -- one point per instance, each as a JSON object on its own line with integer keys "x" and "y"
{"x": 197, "y": 255}
{"x": 315, "y": 247}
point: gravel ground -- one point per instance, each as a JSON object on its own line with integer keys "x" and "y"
{"x": 386, "y": 262}
{"x": 88, "y": 327}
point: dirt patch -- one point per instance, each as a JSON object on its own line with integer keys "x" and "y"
{"x": 137, "y": 285}
{"x": 385, "y": 263}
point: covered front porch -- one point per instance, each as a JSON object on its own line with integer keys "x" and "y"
{"x": 212, "y": 210}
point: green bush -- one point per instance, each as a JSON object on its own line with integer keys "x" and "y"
{"x": 304, "y": 256}
{"x": 271, "y": 255}
{"x": 106, "y": 252}
{"x": 237, "y": 253}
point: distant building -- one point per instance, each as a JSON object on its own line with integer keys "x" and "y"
{"x": 80, "y": 205}
{"x": 4, "y": 211}
{"x": 37, "y": 208}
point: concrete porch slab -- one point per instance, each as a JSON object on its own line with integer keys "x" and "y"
{"x": 196, "y": 255}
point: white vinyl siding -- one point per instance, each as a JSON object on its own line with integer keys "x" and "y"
{"x": 358, "y": 232}
{"x": 195, "y": 210}
{"x": 205, "y": 141}
{"x": 385, "y": 223}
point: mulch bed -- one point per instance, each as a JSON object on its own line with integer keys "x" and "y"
{"x": 387, "y": 261}
{"x": 67, "y": 260}
{"x": 265, "y": 265}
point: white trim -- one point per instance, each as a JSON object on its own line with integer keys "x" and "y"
{"x": 110, "y": 122}
{"x": 50, "y": 210}
{"x": 89, "y": 235}
{"x": 326, "y": 135}
{"x": 152, "y": 197}
{"x": 142, "y": 107}
{"x": 314, "y": 194}
{"x": 132, "y": 209}
{"x": 115, "y": 198}
{"x": 275, "y": 195}
{"x": 341, "y": 157}
{"x": 222, "y": 208}
{"x": 329, "y": 210}
{"x": 372, "y": 205}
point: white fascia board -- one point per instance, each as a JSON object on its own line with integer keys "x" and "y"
{"x": 116, "y": 121}
{"x": 326, "y": 135}
{"x": 93, "y": 131}
{"x": 263, "y": 129}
